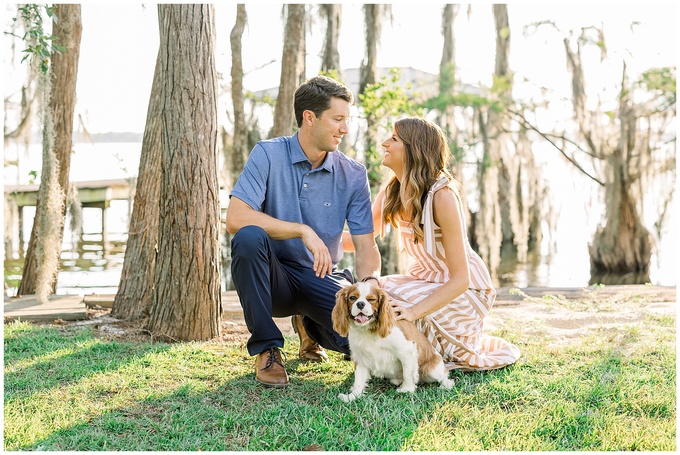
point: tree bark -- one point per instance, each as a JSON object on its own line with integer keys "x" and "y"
{"x": 330, "y": 60}
{"x": 530, "y": 195}
{"x": 292, "y": 70}
{"x": 487, "y": 222}
{"x": 187, "y": 303}
{"x": 239, "y": 150}
{"x": 507, "y": 165}
{"x": 368, "y": 72}
{"x": 135, "y": 291}
{"x": 67, "y": 31}
{"x": 447, "y": 86}
{"x": 623, "y": 245}
{"x": 494, "y": 183}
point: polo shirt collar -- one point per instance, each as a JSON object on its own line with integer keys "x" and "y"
{"x": 298, "y": 156}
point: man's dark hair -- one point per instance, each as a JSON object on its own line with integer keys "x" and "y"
{"x": 315, "y": 95}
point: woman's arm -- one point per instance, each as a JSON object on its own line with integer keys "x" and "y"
{"x": 377, "y": 213}
{"x": 347, "y": 244}
{"x": 447, "y": 215}
{"x": 367, "y": 255}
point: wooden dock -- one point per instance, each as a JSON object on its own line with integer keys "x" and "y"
{"x": 27, "y": 308}
{"x": 91, "y": 193}
{"x": 73, "y": 307}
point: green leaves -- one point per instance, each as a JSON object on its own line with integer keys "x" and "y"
{"x": 661, "y": 79}
{"x": 383, "y": 102}
{"x": 40, "y": 45}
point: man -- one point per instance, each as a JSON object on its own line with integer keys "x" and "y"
{"x": 288, "y": 210}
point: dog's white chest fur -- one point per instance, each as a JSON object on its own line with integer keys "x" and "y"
{"x": 381, "y": 356}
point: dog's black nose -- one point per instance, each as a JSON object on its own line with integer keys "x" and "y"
{"x": 361, "y": 305}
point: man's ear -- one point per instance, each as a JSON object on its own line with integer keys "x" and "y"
{"x": 308, "y": 117}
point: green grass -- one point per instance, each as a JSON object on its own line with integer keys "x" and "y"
{"x": 66, "y": 389}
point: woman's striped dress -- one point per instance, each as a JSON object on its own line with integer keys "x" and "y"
{"x": 455, "y": 330}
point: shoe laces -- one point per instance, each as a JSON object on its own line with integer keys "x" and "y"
{"x": 274, "y": 356}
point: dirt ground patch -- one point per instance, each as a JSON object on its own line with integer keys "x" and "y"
{"x": 562, "y": 320}
{"x": 234, "y": 328}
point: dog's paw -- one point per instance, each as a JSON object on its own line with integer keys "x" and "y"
{"x": 406, "y": 388}
{"x": 348, "y": 397}
{"x": 446, "y": 383}
{"x": 396, "y": 381}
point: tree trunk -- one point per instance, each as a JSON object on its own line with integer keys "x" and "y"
{"x": 330, "y": 60}
{"x": 135, "y": 291}
{"x": 292, "y": 70}
{"x": 447, "y": 64}
{"x": 447, "y": 86}
{"x": 507, "y": 165}
{"x": 623, "y": 245}
{"x": 487, "y": 222}
{"x": 44, "y": 248}
{"x": 530, "y": 195}
{"x": 239, "y": 150}
{"x": 187, "y": 303}
{"x": 368, "y": 72}
{"x": 494, "y": 183}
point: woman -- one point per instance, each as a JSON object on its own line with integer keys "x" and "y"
{"x": 448, "y": 291}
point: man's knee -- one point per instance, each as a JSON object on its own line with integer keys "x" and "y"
{"x": 247, "y": 239}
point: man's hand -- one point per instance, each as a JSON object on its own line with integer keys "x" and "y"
{"x": 323, "y": 264}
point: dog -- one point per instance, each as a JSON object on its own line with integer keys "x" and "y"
{"x": 380, "y": 345}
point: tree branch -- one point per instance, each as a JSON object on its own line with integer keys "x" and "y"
{"x": 551, "y": 142}
{"x": 22, "y": 124}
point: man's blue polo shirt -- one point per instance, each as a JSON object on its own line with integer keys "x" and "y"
{"x": 278, "y": 180}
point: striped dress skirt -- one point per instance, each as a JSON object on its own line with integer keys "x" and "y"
{"x": 456, "y": 330}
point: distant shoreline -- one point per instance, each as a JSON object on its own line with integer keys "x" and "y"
{"x": 107, "y": 137}
{"x": 80, "y": 137}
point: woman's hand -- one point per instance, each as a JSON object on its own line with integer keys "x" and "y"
{"x": 406, "y": 314}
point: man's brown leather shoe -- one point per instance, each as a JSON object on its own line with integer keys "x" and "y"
{"x": 309, "y": 349}
{"x": 269, "y": 370}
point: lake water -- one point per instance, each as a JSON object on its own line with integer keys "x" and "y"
{"x": 90, "y": 265}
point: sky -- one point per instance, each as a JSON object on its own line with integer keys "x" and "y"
{"x": 120, "y": 43}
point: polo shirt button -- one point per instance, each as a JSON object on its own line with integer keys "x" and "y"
{"x": 305, "y": 185}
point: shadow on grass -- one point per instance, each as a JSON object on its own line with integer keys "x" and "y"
{"x": 84, "y": 356}
{"x": 23, "y": 341}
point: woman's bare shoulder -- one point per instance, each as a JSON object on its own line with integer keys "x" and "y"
{"x": 445, "y": 196}
{"x": 445, "y": 206}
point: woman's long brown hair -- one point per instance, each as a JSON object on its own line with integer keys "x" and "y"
{"x": 425, "y": 161}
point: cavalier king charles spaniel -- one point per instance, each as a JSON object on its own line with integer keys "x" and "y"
{"x": 380, "y": 345}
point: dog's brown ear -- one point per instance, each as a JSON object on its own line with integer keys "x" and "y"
{"x": 386, "y": 318}
{"x": 340, "y": 314}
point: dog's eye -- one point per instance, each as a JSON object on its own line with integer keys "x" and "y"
{"x": 352, "y": 298}
{"x": 371, "y": 299}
